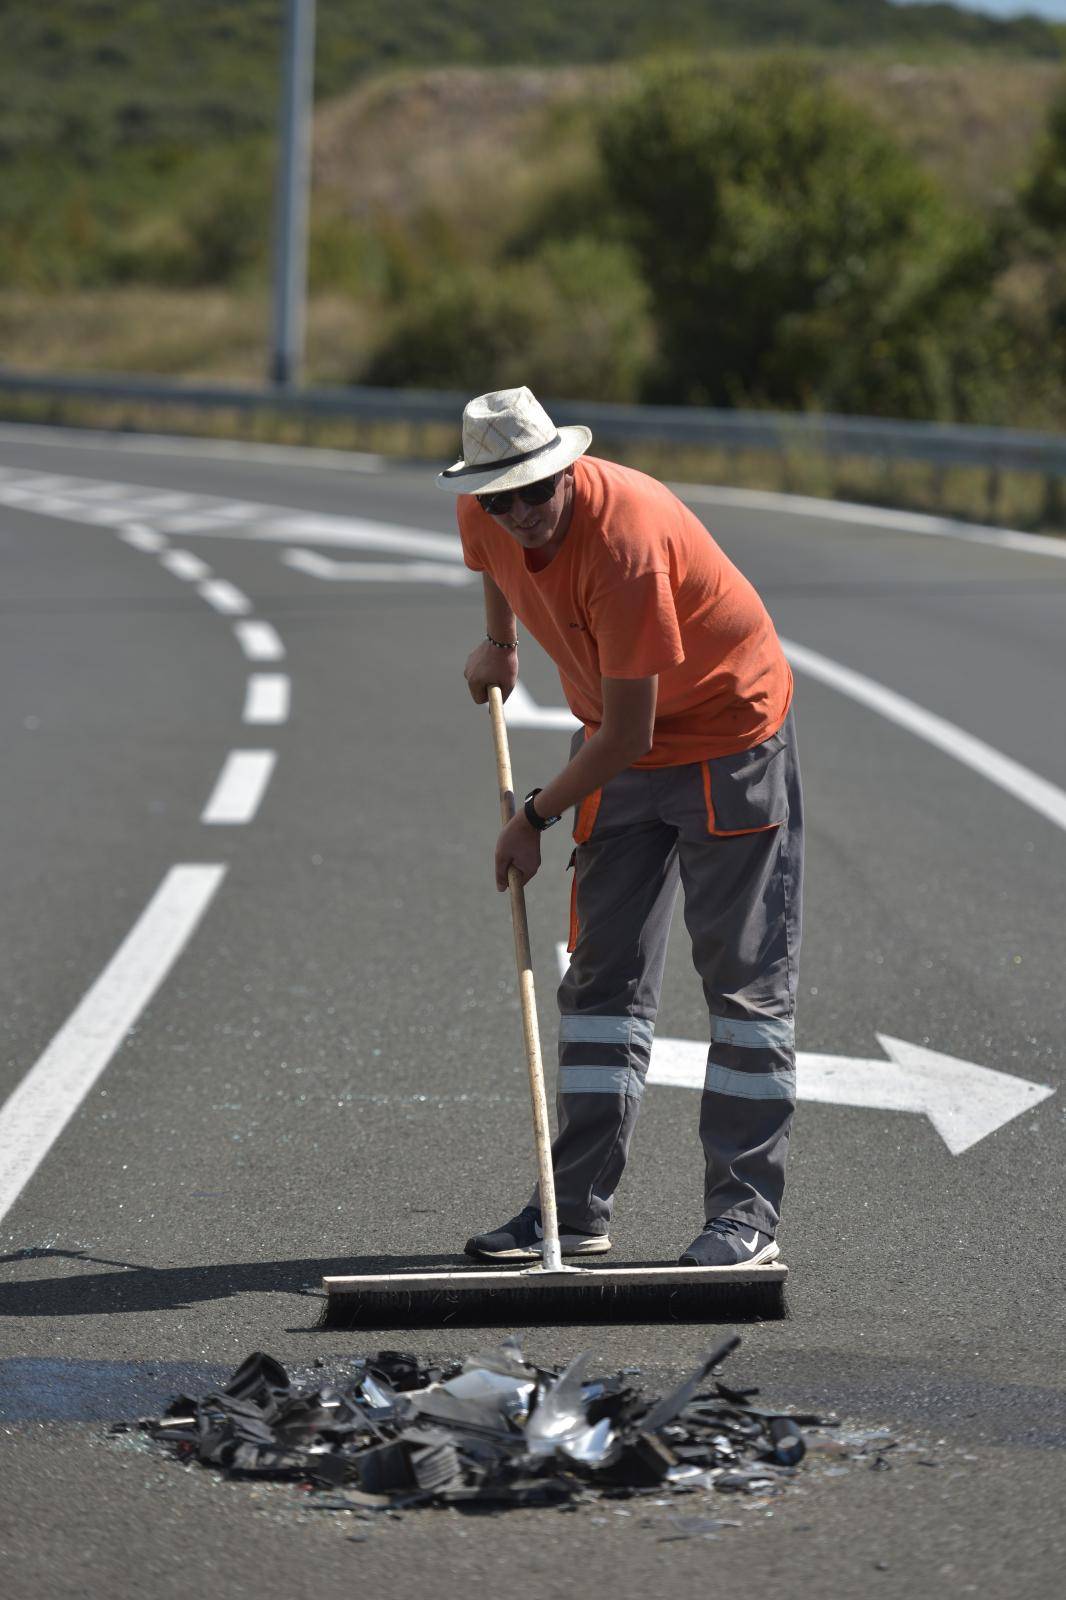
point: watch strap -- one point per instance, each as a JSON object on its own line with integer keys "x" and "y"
{"x": 532, "y": 816}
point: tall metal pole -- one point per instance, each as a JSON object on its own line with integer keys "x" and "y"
{"x": 293, "y": 192}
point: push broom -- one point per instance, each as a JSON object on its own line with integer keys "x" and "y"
{"x": 548, "y": 1292}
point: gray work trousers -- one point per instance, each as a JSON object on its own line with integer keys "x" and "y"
{"x": 730, "y": 831}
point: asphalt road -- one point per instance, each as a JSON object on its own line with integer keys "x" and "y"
{"x": 331, "y": 1071}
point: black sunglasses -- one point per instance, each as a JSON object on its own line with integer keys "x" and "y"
{"x": 531, "y": 494}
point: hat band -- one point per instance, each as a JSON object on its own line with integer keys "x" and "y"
{"x": 506, "y": 461}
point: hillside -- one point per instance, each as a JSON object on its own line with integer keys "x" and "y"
{"x": 454, "y": 138}
{"x": 83, "y": 77}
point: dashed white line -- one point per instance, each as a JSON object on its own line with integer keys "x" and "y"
{"x": 259, "y": 641}
{"x": 240, "y": 787}
{"x": 183, "y": 564}
{"x": 267, "y": 697}
{"x": 39, "y": 1109}
{"x": 142, "y": 538}
{"x": 225, "y": 597}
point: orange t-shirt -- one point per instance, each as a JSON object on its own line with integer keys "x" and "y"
{"x": 638, "y": 587}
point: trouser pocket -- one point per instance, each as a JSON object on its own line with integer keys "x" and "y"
{"x": 747, "y": 793}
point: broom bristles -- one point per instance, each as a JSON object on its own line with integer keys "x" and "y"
{"x": 510, "y": 1299}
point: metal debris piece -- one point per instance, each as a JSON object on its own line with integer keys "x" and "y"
{"x": 494, "y": 1429}
{"x": 560, "y": 1410}
{"x": 697, "y": 1527}
{"x": 788, "y": 1445}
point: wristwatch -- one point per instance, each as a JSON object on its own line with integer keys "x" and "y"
{"x": 532, "y": 817}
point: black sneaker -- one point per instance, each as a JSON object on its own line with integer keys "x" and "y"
{"x": 725, "y": 1243}
{"x": 520, "y": 1240}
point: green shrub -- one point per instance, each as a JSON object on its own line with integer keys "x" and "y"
{"x": 1043, "y": 196}
{"x": 794, "y": 255}
{"x": 570, "y": 322}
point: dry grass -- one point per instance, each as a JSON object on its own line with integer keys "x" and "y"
{"x": 398, "y": 143}
{"x": 973, "y": 125}
{"x": 188, "y": 333}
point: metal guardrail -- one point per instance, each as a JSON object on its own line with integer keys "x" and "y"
{"x": 939, "y": 444}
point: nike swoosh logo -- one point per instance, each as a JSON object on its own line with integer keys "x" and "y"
{"x": 750, "y": 1248}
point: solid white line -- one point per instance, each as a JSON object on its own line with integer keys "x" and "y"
{"x": 157, "y": 502}
{"x": 142, "y": 538}
{"x": 43, "y": 482}
{"x": 267, "y": 697}
{"x": 48, "y": 1096}
{"x": 183, "y": 564}
{"x": 224, "y": 596}
{"x": 331, "y": 571}
{"x": 259, "y": 641}
{"x": 91, "y": 489}
{"x": 232, "y": 510}
{"x": 240, "y": 787}
{"x": 358, "y": 533}
{"x": 105, "y": 516}
{"x": 1026, "y": 786}
{"x": 56, "y": 506}
{"x": 800, "y": 505}
{"x": 203, "y": 521}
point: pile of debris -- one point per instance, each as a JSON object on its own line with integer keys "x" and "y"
{"x": 493, "y": 1429}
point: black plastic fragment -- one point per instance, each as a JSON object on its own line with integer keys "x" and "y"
{"x": 493, "y": 1431}
{"x": 384, "y": 1468}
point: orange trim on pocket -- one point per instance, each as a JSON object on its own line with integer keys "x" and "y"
{"x": 572, "y": 945}
{"x": 726, "y": 833}
{"x": 586, "y": 816}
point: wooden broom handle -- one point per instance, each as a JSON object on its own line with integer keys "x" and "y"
{"x": 524, "y": 964}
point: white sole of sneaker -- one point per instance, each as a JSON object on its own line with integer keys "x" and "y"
{"x": 761, "y": 1258}
{"x": 593, "y": 1245}
{"x": 771, "y": 1253}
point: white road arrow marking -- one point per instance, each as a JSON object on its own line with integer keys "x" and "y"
{"x": 333, "y": 571}
{"x": 964, "y": 1102}
{"x": 522, "y": 711}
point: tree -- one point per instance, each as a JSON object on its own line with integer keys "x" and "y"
{"x": 794, "y": 254}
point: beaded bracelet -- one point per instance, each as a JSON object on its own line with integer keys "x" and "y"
{"x": 512, "y": 645}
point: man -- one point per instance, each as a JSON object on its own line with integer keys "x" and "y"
{"x": 685, "y": 771}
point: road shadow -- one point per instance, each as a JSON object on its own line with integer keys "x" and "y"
{"x": 129, "y": 1288}
{"x": 137, "y": 1286}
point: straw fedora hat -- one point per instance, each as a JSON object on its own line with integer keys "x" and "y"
{"x": 509, "y": 440}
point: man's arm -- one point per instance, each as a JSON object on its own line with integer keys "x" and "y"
{"x": 487, "y": 664}
{"x": 625, "y": 735}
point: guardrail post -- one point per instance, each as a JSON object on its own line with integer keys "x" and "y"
{"x": 1053, "y": 514}
{"x": 992, "y": 491}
